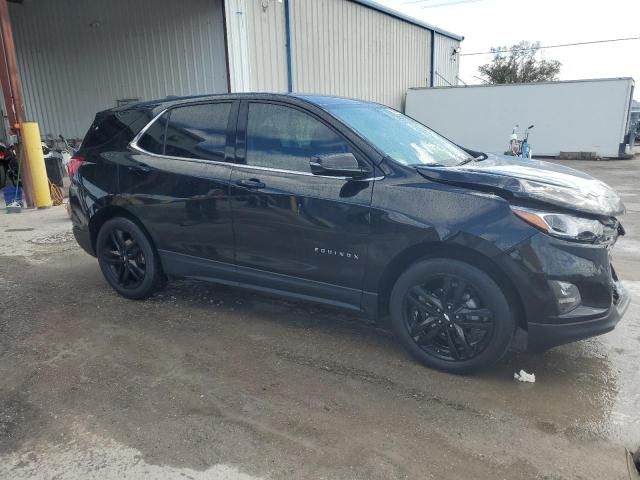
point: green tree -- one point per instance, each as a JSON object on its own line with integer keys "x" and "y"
{"x": 519, "y": 64}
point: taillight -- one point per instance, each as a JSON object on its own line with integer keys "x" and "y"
{"x": 74, "y": 164}
{"x": 3, "y": 155}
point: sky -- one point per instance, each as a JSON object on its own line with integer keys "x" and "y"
{"x": 492, "y": 23}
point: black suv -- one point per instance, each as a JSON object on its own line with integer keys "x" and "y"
{"x": 349, "y": 203}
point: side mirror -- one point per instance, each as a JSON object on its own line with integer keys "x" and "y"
{"x": 337, "y": 165}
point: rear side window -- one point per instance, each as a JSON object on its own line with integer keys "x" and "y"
{"x": 198, "y": 131}
{"x": 284, "y": 138}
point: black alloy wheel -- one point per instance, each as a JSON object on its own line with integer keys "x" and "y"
{"x": 447, "y": 318}
{"x": 127, "y": 259}
{"x": 451, "y": 315}
{"x": 124, "y": 259}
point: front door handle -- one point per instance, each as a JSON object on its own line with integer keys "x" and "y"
{"x": 251, "y": 183}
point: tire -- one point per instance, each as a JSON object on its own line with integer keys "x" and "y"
{"x": 3, "y": 176}
{"x": 128, "y": 259}
{"x": 451, "y": 316}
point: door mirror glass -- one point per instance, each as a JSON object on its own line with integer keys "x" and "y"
{"x": 337, "y": 165}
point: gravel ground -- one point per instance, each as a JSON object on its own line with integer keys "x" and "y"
{"x": 206, "y": 382}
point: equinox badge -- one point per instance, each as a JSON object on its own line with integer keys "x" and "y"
{"x": 336, "y": 253}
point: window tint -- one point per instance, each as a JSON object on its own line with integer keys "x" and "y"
{"x": 153, "y": 139}
{"x": 115, "y": 129}
{"x": 286, "y": 138}
{"x": 198, "y": 131}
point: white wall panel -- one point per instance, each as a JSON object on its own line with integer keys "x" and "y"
{"x": 447, "y": 65}
{"x": 238, "y": 45}
{"x": 80, "y": 56}
{"x": 344, "y": 48}
{"x": 257, "y": 43}
{"x": 267, "y": 45}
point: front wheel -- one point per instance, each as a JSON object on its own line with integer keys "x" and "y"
{"x": 127, "y": 259}
{"x": 451, "y": 316}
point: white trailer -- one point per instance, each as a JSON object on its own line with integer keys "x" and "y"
{"x": 571, "y": 116}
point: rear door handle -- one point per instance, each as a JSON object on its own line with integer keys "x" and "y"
{"x": 252, "y": 183}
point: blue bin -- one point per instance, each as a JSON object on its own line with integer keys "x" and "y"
{"x": 11, "y": 194}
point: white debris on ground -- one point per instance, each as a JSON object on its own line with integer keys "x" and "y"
{"x": 53, "y": 238}
{"x": 523, "y": 376}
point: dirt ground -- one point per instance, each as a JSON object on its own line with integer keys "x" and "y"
{"x": 206, "y": 382}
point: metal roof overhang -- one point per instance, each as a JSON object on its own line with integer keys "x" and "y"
{"x": 389, "y": 11}
{"x": 407, "y": 18}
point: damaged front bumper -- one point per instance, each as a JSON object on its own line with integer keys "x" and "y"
{"x": 583, "y": 322}
{"x": 541, "y": 262}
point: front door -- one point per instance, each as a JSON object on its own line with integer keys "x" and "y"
{"x": 294, "y": 230}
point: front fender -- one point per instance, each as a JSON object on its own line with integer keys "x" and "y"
{"x": 409, "y": 215}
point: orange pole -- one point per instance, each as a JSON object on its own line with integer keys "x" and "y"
{"x": 10, "y": 79}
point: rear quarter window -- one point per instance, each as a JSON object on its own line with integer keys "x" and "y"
{"x": 153, "y": 139}
{"x": 114, "y": 130}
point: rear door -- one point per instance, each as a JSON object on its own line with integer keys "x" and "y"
{"x": 177, "y": 181}
{"x": 294, "y": 230}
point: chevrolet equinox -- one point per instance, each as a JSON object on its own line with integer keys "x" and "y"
{"x": 462, "y": 254}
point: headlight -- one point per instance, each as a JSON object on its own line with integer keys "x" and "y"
{"x": 562, "y": 225}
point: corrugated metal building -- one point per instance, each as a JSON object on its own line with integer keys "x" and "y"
{"x": 80, "y": 56}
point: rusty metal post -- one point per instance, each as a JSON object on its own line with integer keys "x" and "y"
{"x": 12, "y": 91}
{"x": 6, "y": 88}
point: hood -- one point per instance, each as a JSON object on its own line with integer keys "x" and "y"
{"x": 533, "y": 180}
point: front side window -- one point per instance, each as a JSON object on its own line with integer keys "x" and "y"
{"x": 284, "y": 138}
{"x": 399, "y": 137}
{"x": 198, "y": 131}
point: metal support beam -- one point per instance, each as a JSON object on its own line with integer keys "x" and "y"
{"x": 226, "y": 44}
{"x": 287, "y": 31}
{"x": 12, "y": 90}
{"x": 433, "y": 60}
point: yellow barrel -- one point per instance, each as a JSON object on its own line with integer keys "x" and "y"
{"x": 33, "y": 155}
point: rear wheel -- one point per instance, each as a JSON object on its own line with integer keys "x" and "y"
{"x": 127, "y": 259}
{"x": 3, "y": 176}
{"x": 451, "y": 316}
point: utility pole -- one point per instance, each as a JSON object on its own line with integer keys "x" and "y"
{"x": 12, "y": 92}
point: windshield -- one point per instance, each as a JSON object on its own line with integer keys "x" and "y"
{"x": 398, "y": 136}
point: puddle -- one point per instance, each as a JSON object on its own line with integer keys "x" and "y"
{"x": 103, "y": 458}
{"x": 623, "y": 355}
